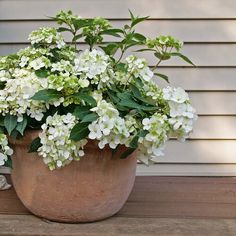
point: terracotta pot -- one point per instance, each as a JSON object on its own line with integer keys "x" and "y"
{"x": 91, "y": 189}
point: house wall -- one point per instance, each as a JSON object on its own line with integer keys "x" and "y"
{"x": 208, "y": 29}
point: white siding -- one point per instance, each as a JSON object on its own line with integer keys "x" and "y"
{"x": 208, "y": 30}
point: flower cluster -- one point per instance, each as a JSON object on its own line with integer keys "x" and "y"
{"x": 57, "y": 149}
{"x": 182, "y": 113}
{"x": 93, "y": 67}
{"x": 5, "y": 150}
{"x": 48, "y": 36}
{"x": 109, "y": 128}
{"x": 15, "y": 97}
{"x": 138, "y": 68}
{"x": 164, "y": 41}
{"x": 152, "y": 144}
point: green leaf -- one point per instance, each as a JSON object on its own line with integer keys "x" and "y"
{"x": 165, "y": 77}
{"x": 138, "y": 95}
{"x": 134, "y": 141}
{"x": 35, "y": 145}
{"x": 10, "y": 123}
{"x": 21, "y": 126}
{"x": 1, "y": 130}
{"x": 183, "y": 57}
{"x": 64, "y": 29}
{"x": 90, "y": 117}
{"x": 47, "y": 95}
{"x": 2, "y": 120}
{"x": 121, "y": 67}
{"x": 131, "y": 15}
{"x": 138, "y": 20}
{"x": 127, "y": 102}
{"x": 110, "y": 49}
{"x": 76, "y": 37}
{"x": 124, "y": 95}
{"x": 143, "y": 133}
{"x": 113, "y": 32}
{"x": 86, "y": 98}
{"x": 79, "y": 131}
{"x": 8, "y": 163}
{"x": 81, "y": 23}
{"x": 15, "y": 134}
{"x": 2, "y": 84}
{"x": 139, "y": 37}
{"x": 145, "y": 49}
{"x": 42, "y": 73}
{"x": 81, "y": 111}
{"x": 127, "y": 152}
{"x": 135, "y": 91}
{"x": 163, "y": 56}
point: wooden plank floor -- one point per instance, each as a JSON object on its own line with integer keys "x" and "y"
{"x": 156, "y": 206}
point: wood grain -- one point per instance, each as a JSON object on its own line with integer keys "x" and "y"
{"x": 163, "y": 197}
{"x": 187, "y": 169}
{"x": 26, "y": 225}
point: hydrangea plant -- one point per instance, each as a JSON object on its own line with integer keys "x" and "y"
{"x": 98, "y": 90}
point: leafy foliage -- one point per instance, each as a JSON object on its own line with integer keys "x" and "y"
{"x": 73, "y": 95}
{"x": 35, "y": 145}
{"x": 79, "y": 132}
{"x": 47, "y": 95}
{"x": 10, "y": 123}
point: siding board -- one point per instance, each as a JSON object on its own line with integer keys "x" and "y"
{"x": 187, "y": 170}
{"x": 32, "y": 9}
{"x": 215, "y": 127}
{"x": 207, "y": 55}
{"x": 195, "y": 79}
{"x": 186, "y": 30}
{"x": 200, "y": 151}
{"x": 214, "y": 103}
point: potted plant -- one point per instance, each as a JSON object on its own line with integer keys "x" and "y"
{"x": 78, "y": 118}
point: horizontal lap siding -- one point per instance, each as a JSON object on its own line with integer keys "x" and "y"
{"x": 203, "y": 55}
{"x": 32, "y": 9}
{"x": 208, "y": 30}
{"x": 187, "y": 30}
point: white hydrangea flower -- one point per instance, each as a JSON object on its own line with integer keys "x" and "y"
{"x": 4, "y": 75}
{"x": 83, "y": 83}
{"x": 97, "y": 95}
{"x": 109, "y": 128}
{"x": 15, "y": 97}
{"x": 62, "y": 66}
{"x": 152, "y": 90}
{"x": 57, "y": 149}
{"x": 138, "y": 67}
{"x": 47, "y": 35}
{"x": 39, "y": 63}
{"x": 152, "y": 144}
{"x": 182, "y": 114}
{"x": 89, "y": 64}
{"x": 23, "y": 61}
{"x": 175, "y": 94}
{"x": 5, "y": 150}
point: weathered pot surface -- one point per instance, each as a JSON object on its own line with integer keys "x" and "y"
{"x": 91, "y": 189}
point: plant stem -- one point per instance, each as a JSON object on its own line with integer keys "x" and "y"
{"x": 155, "y": 67}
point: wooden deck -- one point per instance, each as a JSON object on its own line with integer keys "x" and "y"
{"x": 157, "y": 206}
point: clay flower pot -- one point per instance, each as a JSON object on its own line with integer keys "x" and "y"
{"x": 91, "y": 189}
